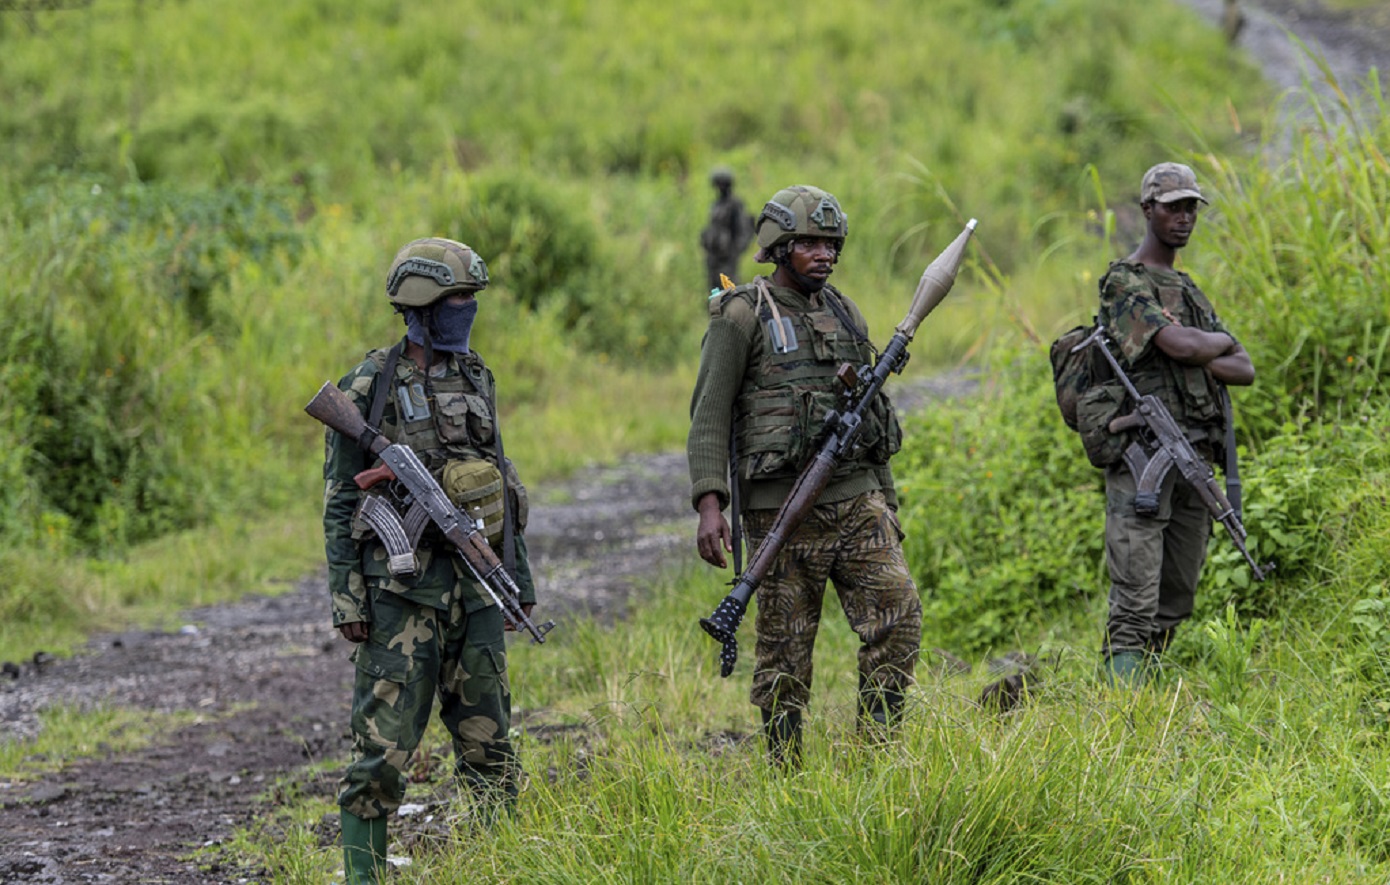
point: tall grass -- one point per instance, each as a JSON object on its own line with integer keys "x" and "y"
{"x": 1254, "y": 763}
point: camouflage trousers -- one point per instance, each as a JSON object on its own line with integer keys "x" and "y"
{"x": 413, "y": 654}
{"x": 1155, "y": 562}
{"x": 856, "y": 544}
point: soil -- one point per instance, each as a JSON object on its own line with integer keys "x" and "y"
{"x": 263, "y": 684}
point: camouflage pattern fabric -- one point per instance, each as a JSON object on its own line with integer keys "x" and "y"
{"x": 458, "y": 426}
{"x": 1133, "y": 299}
{"x": 857, "y": 544}
{"x": 415, "y": 652}
{"x": 1154, "y": 562}
{"x": 435, "y": 633}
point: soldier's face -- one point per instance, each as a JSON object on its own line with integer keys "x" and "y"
{"x": 814, "y": 257}
{"x": 1172, "y": 223}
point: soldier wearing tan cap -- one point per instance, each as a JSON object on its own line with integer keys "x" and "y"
{"x": 1171, "y": 344}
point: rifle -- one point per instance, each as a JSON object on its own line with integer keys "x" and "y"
{"x": 842, "y": 429}
{"x": 422, "y": 495}
{"x": 1159, "y": 433}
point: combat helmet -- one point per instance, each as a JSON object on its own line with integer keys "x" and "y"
{"x": 427, "y": 270}
{"x": 721, "y": 176}
{"x": 799, "y": 211}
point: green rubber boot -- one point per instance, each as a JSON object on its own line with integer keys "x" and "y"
{"x": 1126, "y": 669}
{"x": 364, "y": 849}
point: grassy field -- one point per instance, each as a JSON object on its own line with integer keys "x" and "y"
{"x": 198, "y": 207}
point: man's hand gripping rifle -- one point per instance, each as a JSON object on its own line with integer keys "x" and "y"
{"x": 424, "y": 499}
{"x": 1161, "y": 447}
{"x": 842, "y": 432}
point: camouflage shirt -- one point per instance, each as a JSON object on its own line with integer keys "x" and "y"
{"x": 1133, "y": 298}
{"x": 466, "y": 432}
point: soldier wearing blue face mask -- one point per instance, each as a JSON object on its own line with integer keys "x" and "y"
{"x": 424, "y": 629}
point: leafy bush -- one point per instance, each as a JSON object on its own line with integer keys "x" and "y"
{"x": 1304, "y": 246}
{"x": 1003, "y": 514}
{"x": 109, "y": 403}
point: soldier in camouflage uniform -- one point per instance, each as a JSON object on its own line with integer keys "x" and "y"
{"x": 729, "y": 231}
{"x": 432, "y": 632}
{"x": 1172, "y": 345}
{"x": 767, "y": 375}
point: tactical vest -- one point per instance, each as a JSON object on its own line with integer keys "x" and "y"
{"x": 780, "y": 410}
{"x": 450, "y": 424}
{"x": 1189, "y": 392}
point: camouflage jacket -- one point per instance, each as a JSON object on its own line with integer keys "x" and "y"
{"x": 456, "y": 421}
{"x": 1133, "y": 298}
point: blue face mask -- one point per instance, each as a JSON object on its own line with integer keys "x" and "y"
{"x": 450, "y": 325}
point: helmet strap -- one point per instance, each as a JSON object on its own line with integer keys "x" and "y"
{"x": 782, "y": 258}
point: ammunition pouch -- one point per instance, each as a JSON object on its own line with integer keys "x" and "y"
{"x": 475, "y": 488}
{"x": 1095, "y": 409}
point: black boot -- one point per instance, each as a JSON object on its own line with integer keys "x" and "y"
{"x": 783, "y": 731}
{"x": 880, "y": 709}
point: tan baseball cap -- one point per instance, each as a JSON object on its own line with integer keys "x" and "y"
{"x": 1169, "y": 182}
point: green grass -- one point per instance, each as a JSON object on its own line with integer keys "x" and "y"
{"x": 68, "y": 735}
{"x": 199, "y": 209}
{"x": 201, "y": 230}
{"x": 1256, "y": 762}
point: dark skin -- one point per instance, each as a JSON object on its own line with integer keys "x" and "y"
{"x": 815, "y": 259}
{"x": 1170, "y": 226}
{"x": 358, "y": 631}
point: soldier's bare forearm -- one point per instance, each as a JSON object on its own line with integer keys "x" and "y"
{"x": 1234, "y": 368}
{"x": 1193, "y": 347}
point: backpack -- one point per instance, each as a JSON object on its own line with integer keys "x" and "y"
{"x": 1088, "y": 395}
{"x": 1074, "y": 372}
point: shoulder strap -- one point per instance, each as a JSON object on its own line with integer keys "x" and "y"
{"x": 383, "y": 384}
{"x": 835, "y": 301}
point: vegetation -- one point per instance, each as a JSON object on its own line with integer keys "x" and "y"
{"x": 197, "y": 227}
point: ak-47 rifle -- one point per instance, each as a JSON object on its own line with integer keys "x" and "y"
{"x": 842, "y": 429}
{"x": 1161, "y": 447}
{"x": 423, "y": 495}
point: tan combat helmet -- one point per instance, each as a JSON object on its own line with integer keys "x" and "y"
{"x": 426, "y": 270}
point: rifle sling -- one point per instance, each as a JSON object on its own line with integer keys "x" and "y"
{"x": 736, "y": 524}
{"x": 1232, "y": 461}
{"x": 832, "y": 300}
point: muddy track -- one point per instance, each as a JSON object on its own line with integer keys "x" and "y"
{"x": 264, "y": 683}
{"x": 267, "y": 680}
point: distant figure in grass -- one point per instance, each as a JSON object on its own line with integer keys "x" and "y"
{"x": 767, "y": 373}
{"x": 728, "y": 233}
{"x": 426, "y": 630}
{"x": 1172, "y": 345}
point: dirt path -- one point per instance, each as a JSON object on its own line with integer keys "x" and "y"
{"x": 268, "y": 680}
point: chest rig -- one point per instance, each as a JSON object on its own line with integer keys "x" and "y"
{"x": 448, "y": 418}
{"x": 792, "y": 384}
{"x": 1189, "y": 392}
